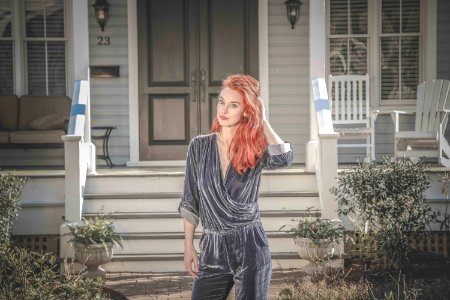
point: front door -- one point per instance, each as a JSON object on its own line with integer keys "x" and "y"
{"x": 186, "y": 48}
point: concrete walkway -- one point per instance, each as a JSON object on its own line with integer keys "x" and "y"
{"x": 178, "y": 285}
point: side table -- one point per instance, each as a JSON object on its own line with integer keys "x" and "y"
{"x": 105, "y": 138}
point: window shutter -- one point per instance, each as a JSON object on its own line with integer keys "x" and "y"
{"x": 36, "y": 68}
{"x": 6, "y": 49}
{"x": 6, "y": 68}
{"x": 400, "y": 49}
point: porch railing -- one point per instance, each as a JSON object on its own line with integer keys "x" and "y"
{"x": 79, "y": 160}
{"x": 326, "y": 160}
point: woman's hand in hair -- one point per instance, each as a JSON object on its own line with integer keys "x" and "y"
{"x": 263, "y": 110}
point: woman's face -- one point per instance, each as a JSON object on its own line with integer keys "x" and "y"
{"x": 230, "y": 107}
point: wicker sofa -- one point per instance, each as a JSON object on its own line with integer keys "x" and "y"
{"x": 33, "y": 121}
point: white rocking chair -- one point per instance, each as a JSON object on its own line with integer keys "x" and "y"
{"x": 351, "y": 111}
{"x": 427, "y": 140}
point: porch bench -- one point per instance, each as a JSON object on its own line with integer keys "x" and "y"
{"x": 33, "y": 121}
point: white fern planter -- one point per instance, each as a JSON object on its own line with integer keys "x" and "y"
{"x": 93, "y": 256}
{"x": 306, "y": 249}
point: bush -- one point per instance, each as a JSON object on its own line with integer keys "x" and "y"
{"x": 10, "y": 189}
{"x": 387, "y": 203}
{"x": 29, "y": 275}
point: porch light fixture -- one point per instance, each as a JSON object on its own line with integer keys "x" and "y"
{"x": 293, "y": 11}
{"x": 101, "y": 12}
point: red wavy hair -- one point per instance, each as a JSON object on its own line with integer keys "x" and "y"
{"x": 248, "y": 144}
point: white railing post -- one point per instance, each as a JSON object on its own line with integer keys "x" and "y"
{"x": 92, "y": 168}
{"x": 326, "y": 164}
{"x": 76, "y": 158}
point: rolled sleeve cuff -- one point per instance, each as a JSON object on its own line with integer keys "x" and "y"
{"x": 279, "y": 148}
{"x": 189, "y": 216}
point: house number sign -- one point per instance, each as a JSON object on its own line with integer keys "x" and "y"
{"x": 103, "y": 40}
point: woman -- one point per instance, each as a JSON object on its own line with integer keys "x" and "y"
{"x": 223, "y": 172}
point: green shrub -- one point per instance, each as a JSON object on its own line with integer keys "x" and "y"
{"x": 387, "y": 202}
{"x": 28, "y": 275}
{"x": 10, "y": 189}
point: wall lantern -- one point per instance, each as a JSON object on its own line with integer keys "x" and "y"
{"x": 101, "y": 12}
{"x": 293, "y": 11}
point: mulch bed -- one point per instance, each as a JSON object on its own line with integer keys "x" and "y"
{"x": 427, "y": 273}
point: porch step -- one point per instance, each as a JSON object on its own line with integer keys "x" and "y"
{"x": 282, "y": 180}
{"x": 174, "y": 262}
{"x": 173, "y": 242}
{"x": 172, "y": 222}
{"x": 146, "y": 215}
{"x": 168, "y": 202}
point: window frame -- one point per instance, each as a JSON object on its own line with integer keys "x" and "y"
{"x": 379, "y": 35}
{"x": 374, "y": 53}
{"x": 347, "y": 36}
{"x": 20, "y": 66}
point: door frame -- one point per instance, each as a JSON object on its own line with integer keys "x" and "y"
{"x": 133, "y": 77}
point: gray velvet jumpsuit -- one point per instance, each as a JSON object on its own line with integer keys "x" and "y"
{"x": 233, "y": 246}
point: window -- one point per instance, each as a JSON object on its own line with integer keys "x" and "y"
{"x": 393, "y": 35}
{"x": 399, "y": 49}
{"x": 41, "y": 38}
{"x": 6, "y": 49}
{"x": 348, "y": 36}
{"x": 45, "y": 47}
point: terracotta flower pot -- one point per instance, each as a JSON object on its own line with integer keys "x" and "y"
{"x": 306, "y": 249}
{"x": 93, "y": 256}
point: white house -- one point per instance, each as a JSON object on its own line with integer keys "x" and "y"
{"x": 155, "y": 73}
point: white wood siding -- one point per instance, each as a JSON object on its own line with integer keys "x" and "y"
{"x": 443, "y": 39}
{"x": 289, "y": 76}
{"x": 109, "y": 96}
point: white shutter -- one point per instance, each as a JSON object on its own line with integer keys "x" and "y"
{"x": 400, "y": 49}
{"x": 348, "y": 37}
{"x": 6, "y": 49}
{"x": 46, "y": 47}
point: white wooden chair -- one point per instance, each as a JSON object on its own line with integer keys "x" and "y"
{"x": 351, "y": 111}
{"x": 427, "y": 139}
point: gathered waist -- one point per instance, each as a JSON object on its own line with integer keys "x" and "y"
{"x": 234, "y": 229}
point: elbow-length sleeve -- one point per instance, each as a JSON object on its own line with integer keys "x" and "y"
{"x": 277, "y": 156}
{"x": 189, "y": 204}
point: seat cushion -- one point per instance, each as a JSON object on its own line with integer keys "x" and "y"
{"x": 416, "y": 135}
{"x": 49, "y": 122}
{"x": 36, "y": 137}
{"x": 34, "y": 107}
{"x": 4, "y": 137}
{"x": 9, "y": 112}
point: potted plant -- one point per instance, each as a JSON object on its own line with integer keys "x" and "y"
{"x": 315, "y": 237}
{"x": 94, "y": 240}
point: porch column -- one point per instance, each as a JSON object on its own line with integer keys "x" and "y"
{"x": 317, "y": 59}
{"x": 80, "y": 67}
{"x": 133, "y": 88}
{"x": 263, "y": 29}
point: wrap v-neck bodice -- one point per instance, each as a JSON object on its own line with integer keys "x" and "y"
{"x": 228, "y": 166}
{"x": 223, "y": 203}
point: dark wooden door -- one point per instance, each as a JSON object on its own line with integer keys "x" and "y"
{"x": 186, "y": 47}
